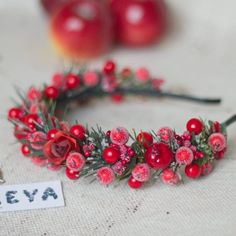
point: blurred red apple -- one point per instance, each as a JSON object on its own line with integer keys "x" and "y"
{"x": 50, "y": 6}
{"x": 82, "y": 29}
{"x": 139, "y": 22}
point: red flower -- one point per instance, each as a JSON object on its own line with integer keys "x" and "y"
{"x": 57, "y": 149}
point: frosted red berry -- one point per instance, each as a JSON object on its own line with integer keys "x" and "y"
{"x": 51, "y": 92}
{"x": 105, "y": 175}
{"x": 141, "y": 172}
{"x": 159, "y": 156}
{"x": 72, "y": 81}
{"x": 195, "y": 126}
{"x": 145, "y": 139}
{"x": 165, "y": 134}
{"x": 25, "y": 150}
{"x": 184, "y": 156}
{"x": 78, "y": 131}
{"x": 111, "y": 155}
{"x": 133, "y": 183}
{"x": 170, "y": 177}
{"x": 75, "y": 161}
{"x": 206, "y": 168}
{"x": 217, "y": 141}
{"x": 193, "y": 171}
{"x": 119, "y": 136}
{"x": 73, "y": 175}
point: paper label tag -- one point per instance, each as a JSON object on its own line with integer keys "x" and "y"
{"x": 31, "y": 196}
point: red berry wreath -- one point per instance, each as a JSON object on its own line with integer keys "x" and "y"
{"x": 117, "y": 153}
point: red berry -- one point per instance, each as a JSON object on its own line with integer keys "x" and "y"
{"x": 195, "y": 126}
{"x": 78, "y": 131}
{"x": 51, "y": 92}
{"x": 30, "y": 120}
{"x": 145, "y": 139}
{"x": 109, "y": 67}
{"x": 15, "y": 113}
{"x": 111, "y": 155}
{"x": 20, "y": 133}
{"x": 158, "y": 156}
{"x": 51, "y": 134}
{"x": 72, "y": 81}
{"x": 131, "y": 153}
{"x": 25, "y": 150}
{"x": 72, "y": 174}
{"x": 217, "y": 126}
{"x": 193, "y": 171}
{"x": 133, "y": 183}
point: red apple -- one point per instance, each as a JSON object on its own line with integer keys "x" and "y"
{"x": 139, "y": 22}
{"x": 50, "y": 6}
{"x": 82, "y": 29}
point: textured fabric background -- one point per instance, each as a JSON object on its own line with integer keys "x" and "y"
{"x": 197, "y": 57}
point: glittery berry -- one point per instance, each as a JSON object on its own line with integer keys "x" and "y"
{"x": 105, "y": 175}
{"x": 193, "y": 171}
{"x": 142, "y": 74}
{"x": 25, "y": 150}
{"x": 75, "y": 161}
{"x": 141, "y": 172}
{"x": 206, "y": 168}
{"x": 119, "y": 135}
{"x": 145, "y": 139}
{"x": 217, "y": 141}
{"x": 37, "y": 140}
{"x": 111, "y": 155}
{"x": 91, "y": 78}
{"x": 72, "y": 81}
{"x": 165, "y": 134}
{"x": 184, "y": 156}
{"x": 51, "y": 92}
{"x": 73, "y": 175}
{"x": 170, "y": 177}
{"x": 158, "y": 156}
{"x": 133, "y": 183}
{"x": 195, "y": 126}
{"x": 78, "y": 131}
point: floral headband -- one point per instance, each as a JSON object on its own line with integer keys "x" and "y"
{"x": 115, "y": 154}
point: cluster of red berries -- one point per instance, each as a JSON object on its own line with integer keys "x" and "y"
{"x": 111, "y": 155}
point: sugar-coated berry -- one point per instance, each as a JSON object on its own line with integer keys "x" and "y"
{"x": 133, "y": 183}
{"x": 75, "y": 161}
{"x": 73, "y": 175}
{"x": 34, "y": 94}
{"x": 165, "y": 134}
{"x": 51, "y": 133}
{"x": 158, "y": 156}
{"x": 72, "y": 81}
{"x": 170, "y": 177}
{"x": 15, "y": 113}
{"x": 119, "y": 136}
{"x": 217, "y": 141}
{"x": 25, "y": 150}
{"x": 105, "y": 175}
{"x": 193, "y": 171}
{"x": 109, "y": 67}
{"x": 145, "y": 139}
{"x": 142, "y": 74}
{"x": 90, "y": 78}
{"x": 195, "y": 126}
{"x": 111, "y": 155}
{"x": 78, "y": 131}
{"x": 184, "y": 156}
{"x": 141, "y": 172}
{"x": 51, "y": 92}
{"x": 206, "y": 168}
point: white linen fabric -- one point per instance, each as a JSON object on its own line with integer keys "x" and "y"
{"x": 197, "y": 57}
